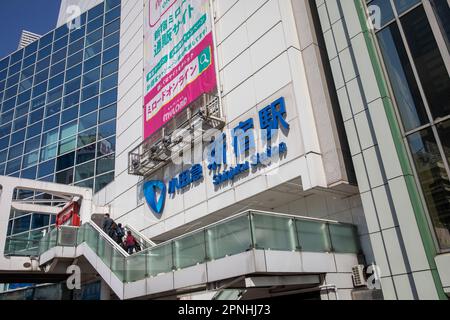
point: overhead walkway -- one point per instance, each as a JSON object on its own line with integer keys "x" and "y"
{"x": 244, "y": 253}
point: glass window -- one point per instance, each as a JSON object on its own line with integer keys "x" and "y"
{"x": 4, "y": 142}
{"x": 49, "y": 152}
{"x": 72, "y": 86}
{"x": 20, "y": 123}
{"x": 442, "y": 11}
{"x": 34, "y": 130}
{"x": 71, "y": 100}
{"x": 75, "y": 59}
{"x": 110, "y": 68}
{"x": 24, "y": 97}
{"x": 22, "y": 224}
{"x": 403, "y": 5}
{"x": 77, "y": 34}
{"x": 32, "y": 144}
{"x": 103, "y": 181}
{"x": 44, "y": 52}
{"x": 66, "y": 161}
{"x": 38, "y": 102}
{"x": 74, "y": 72}
{"x": 55, "y": 94}
{"x": 4, "y": 63}
{"x": 15, "y": 151}
{"x": 58, "y": 68}
{"x": 9, "y": 93}
{"x": 41, "y": 76}
{"x": 46, "y": 40}
{"x": 13, "y": 166}
{"x": 27, "y": 62}
{"x": 67, "y": 145}
{"x": 17, "y": 137}
{"x": 36, "y": 116}
{"x": 68, "y": 130}
{"x": 92, "y": 63}
{"x": 6, "y": 117}
{"x": 106, "y": 130}
{"x": 109, "y": 4}
{"x": 53, "y": 108}
{"x": 428, "y": 60}
{"x": 61, "y": 31}
{"x": 91, "y": 77}
{"x": 90, "y": 91}
{"x": 28, "y": 72}
{"x": 9, "y": 105}
{"x": 105, "y": 164}
{"x": 76, "y": 46}
{"x": 108, "y": 113}
{"x": 43, "y": 64}
{"x": 65, "y": 177}
{"x": 88, "y": 106}
{"x": 69, "y": 115}
{"x": 3, "y": 159}
{"x": 88, "y": 121}
{"x": 14, "y": 69}
{"x": 58, "y": 56}
{"x": 50, "y": 137}
{"x": 95, "y": 24}
{"x": 51, "y": 123}
{"x": 40, "y": 89}
{"x": 61, "y": 43}
{"x": 40, "y": 220}
{"x": 111, "y": 15}
{"x": 110, "y": 54}
{"x": 25, "y": 85}
{"x": 444, "y": 134}
{"x": 86, "y": 154}
{"x": 31, "y": 159}
{"x": 85, "y": 171}
{"x": 112, "y": 27}
{"x": 49, "y": 178}
{"x": 31, "y": 48}
{"x": 111, "y": 40}
{"x": 87, "y": 137}
{"x": 434, "y": 180}
{"x": 95, "y": 12}
{"x": 108, "y": 97}
{"x": 46, "y": 168}
{"x": 5, "y": 130}
{"x": 93, "y": 50}
{"x": 56, "y": 81}
{"x": 86, "y": 184}
{"x": 16, "y": 57}
{"x": 94, "y": 37}
{"x": 13, "y": 80}
{"x": 29, "y": 173}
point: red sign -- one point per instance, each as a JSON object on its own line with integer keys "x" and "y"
{"x": 69, "y": 215}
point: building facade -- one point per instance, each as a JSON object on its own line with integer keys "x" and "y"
{"x": 359, "y": 91}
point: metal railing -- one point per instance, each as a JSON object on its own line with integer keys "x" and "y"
{"x": 238, "y": 234}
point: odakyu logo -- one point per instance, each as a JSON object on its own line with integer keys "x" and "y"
{"x": 155, "y": 194}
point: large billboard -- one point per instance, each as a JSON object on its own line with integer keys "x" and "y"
{"x": 179, "y": 58}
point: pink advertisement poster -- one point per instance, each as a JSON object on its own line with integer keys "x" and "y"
{"x": 179, "y": 58}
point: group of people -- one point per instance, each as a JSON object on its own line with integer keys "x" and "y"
{"x": 117, "y": 232}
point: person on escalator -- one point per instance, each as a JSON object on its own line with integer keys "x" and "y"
{"x": 120, "y": 233}
{"x": 113, "y": 233}
{"x": 130, "y": 242}
{"x": 107, "y": 223}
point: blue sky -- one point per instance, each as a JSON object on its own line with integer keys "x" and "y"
{"x": 38, "y": 16}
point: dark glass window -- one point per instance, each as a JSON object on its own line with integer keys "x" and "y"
{"x": 32, "y": 144}
{"x": 55, "y": 94}
{"x": 46, "y": 40}
{"x": 61, "y": 43}
{"x": 88, "y": 106}
{"x": 105, "y": 164}
{"x": 72, "y": 100}
{"x": 435, "y": 182}
{"x": 21, "y": 224}
{"x": 85, "y": 171}
{"x": 46, "y": 168}
{"x": 51, "y": 123}
{"x": 103, "y": 181}
{"x": 29, "y": 173}
{"x": 72, "y": 86}
{"x": 88, "y": 121}
{"x": 40, "y": 220}
{"x": 111, "y": 54}
{"x": 36, "y": 116}
{"x": 53, "y": 108}
{"x": 428, "y": 61}
{"x": 95, "y": 24}
{"x": 74, "y": 72}
{"x": 95, "y": 12}
{"x": 111, "y": 40}
{"x": 43, "y": 64}
{"x": 69, "y": 115}
{"x": 76, "y": 46}
{"x": 87, "y": 137}
{"x": 111, "y": 15}
{"x": 90, "y": 91}
{"x": 106, "y": 130}
{"x": 442, "y": 11}
{"x": 109, "y": 4}
{"x": 41, "y": 76}
{"x": 40, "y": 89}
{"x": 16, "y": 57}
{"x": 20, "y": 123}
{"x": 31, "y": 48}
{"x": 13, "y": 166}
{"x": 27, "y": 62}
{"x": 61, "y": 31}
{"x": 110, "y": 68}
{"x": 44, "y": 52}
{"x": 92, "y": 63}
{"x": 108, "y": 113}
{"x": 112, "y": 27}
{"x": 15, "y": 151}
{"x": 14, "y": 69}
{"x": 108, "y": 97}
{"x": 94, "y": 37}
{"x": 406, "y": 90}
{"x": 58, "y": 68}
{"x": 404, "y": 5}
{"x": 91, "y": 77}
{"x": 65, "y": 161}
{"x": 34, "y": 130}
{"x": 56, "y": 81}
{"x": 75, "y": 59}
{"x": 86, "y": 154}
{"x": 93, "y": 50}
{"x": 17, "y": 137}
{"x": 77, "y": 34}
{"x": 65, "y": 177}
{"x": 24, "y": 97}
{"x": 444, "y": 135}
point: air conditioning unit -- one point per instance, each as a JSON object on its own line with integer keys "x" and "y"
{"x": 359, "y": 276}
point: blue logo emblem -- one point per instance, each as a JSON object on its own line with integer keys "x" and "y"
{"x": 150, "y": 193}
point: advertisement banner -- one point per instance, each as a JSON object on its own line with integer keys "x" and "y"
{"x": 179, "y": 58}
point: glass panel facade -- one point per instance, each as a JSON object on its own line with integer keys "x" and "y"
{"x": 49, "y": 106}
{"x": 416, "y": 64}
